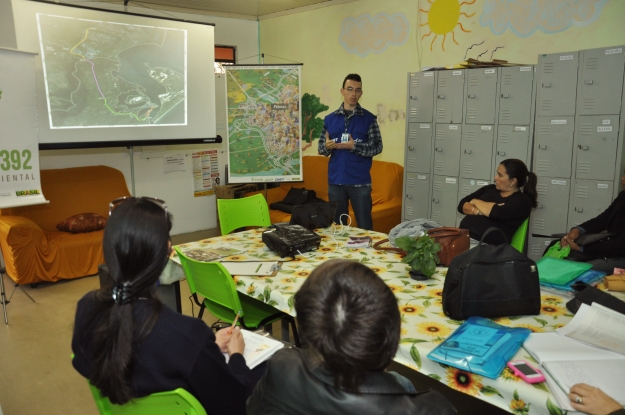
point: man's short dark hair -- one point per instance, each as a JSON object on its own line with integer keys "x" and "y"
{"x": 349, "y": 317}
{"x": 353, "y": 77}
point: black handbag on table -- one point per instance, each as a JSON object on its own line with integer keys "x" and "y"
{"x": 587, "y": 294}
{"x": 491, "y": 281}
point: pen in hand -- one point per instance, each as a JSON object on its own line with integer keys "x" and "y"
{"x": 234, "y": 323}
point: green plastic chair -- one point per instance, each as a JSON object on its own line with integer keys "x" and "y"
{"x": 176, "y": 402}
{"x": 246, "y": 211}
{"x": 518, "y": 239}
{"x": 213, "y": 282}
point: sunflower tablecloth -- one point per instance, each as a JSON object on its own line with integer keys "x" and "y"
{"x": 424, "y": 325}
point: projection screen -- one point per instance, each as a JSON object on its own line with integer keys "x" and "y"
{"x": 107, "y": 78}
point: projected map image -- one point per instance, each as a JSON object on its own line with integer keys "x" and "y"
{"x": 102, "y": 74}
{"x": 264, "y": 134}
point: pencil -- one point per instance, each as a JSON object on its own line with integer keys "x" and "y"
{"x": 259, "y": 265}
{"x": 234, "y": 323}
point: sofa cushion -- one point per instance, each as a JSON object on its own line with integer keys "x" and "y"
{"x": 84, "y": 222}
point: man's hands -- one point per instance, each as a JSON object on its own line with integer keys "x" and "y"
{"x": 331, "y": 145}
{"x": 230, "y": 341}
{"x": 569, "y": 239}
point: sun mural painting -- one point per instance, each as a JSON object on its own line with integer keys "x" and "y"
{"x": 443, "y": 17}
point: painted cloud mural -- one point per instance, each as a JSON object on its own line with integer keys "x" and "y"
{"x": 365, "y": 34}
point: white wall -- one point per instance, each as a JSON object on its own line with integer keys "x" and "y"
{"x": 190, "y": 214}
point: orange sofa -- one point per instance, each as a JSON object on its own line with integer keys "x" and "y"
{"x": 387, "y": 183}
{"x": 34, "y": 250}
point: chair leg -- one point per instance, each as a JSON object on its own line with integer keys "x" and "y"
{"x": 201, "y": 313}
{"x": 295, "y": 334}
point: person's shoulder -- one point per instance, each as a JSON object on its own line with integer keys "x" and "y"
{"x": 368, "y": 113}
{"x": 86, "y": 303}
{"x": 184, "y": 327}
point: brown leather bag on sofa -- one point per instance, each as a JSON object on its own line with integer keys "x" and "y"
{"x": 453, "y": 241}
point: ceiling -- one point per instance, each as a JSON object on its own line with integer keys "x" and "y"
{"x": 247, "y": 9}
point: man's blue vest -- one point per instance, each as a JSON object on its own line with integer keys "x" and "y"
{"x": 345, "y": 167}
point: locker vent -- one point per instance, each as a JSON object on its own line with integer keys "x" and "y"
{"x": 539, "y": 223}
{"x": 537, "y": 250}
{"x": 471, "y": 112}
{"x": 466, "y": 190}
{"x": 412, "y": 165}
{"x": 583, "y": 167}
{"x": 588, "y": 103}
{"x": 415, "y": 82}
{"x": 436, "y": 215}
{"x": 408, "y": 210}
{"x": 412, "y": 134}
{"x": 440, "y": 134}
{"x": 548, "y": 67}
{"x": 504, "y": 137}
{"x": 441, "y": 113}
{"x": 544, "y": 129}
{"x": 474, "y": 81}
{"x": 504, "y": 115}
{"x": 506, "y": 79}
{"x": 542, "y": 165}
{"x": 413, "y": 112}
{"x": 541, "y": 189}
{"x": 586, "y": 128}
{"x": 468, "y": 169}
{"x": 581, "y": 192}
{"x": 438, "y": 165}
{"x": 442, "y": 82}
{"x": 546, "y": 105}
{"x": 591, "y": 63}
{"x": 410, "y": 181}
{"x": 469, "y": 134}
{"x": 438, "y": 186}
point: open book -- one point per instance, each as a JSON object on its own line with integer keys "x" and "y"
{"x": 258, "y": 348}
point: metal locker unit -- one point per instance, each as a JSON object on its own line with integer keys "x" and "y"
{"x": 466, "y": 187}
{"x": 557, "y": 84}
{"x": 553, "y": 146}
{"x": 450, "y": 96}
{"x": 476, "y": 149}
{"x": 537, "y": 246}
{"x": 447, "y": 149}
{"x": 418, "y": 157}
{"x": 516, "y": 95}
{"x": 421, "y": 87}
{"x": 481, "y": 99}
{"x": 601, "y": 81}
{"x": 512, "y": 143}
{"x": 588, "y": 199}
{"x": 551, "y": 214}
{"x": 444, "y": 200}
{"x": 417, "y": 196}
{"x": 596, "y": 142}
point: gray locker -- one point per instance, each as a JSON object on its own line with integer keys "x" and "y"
{"x": 417, "y": 200}
{"x": 515, "y": 98}
{"x": 588, "y": 199}
{"x": 596, "y": 142}
{"x": 419, "y": 147}
{"x": 551, "y": 214}
{"x": 447, "y": 150}
{"x": 476, "y": 150}
{"x": 512, "y": 142}
{"x": 450, "y": 96}
{"x": 601, "y": 81}
{"x": 444, "y": 200}
{"x": 537, "y": 246}
{"x": 557, "y": 87}
{"x": 468, "y": 186}
{"x": 481, "y": 96}
{"x": 421, "y": 96}
{"x": 553, "y": 146}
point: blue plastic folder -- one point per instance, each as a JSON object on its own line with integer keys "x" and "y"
{"x": 480, "y": 346}
{"x": 590, "y": 277}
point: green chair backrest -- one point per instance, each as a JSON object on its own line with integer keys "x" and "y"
{"x": 213, "y": 282}
{"x": 176, "y": 402}
{"x": 518, "y": 239}
{"x": 246, "y": 211}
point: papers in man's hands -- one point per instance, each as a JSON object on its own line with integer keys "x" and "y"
{"x": 359, "y": 242}
{"x": 598, "y": 326}
{"x": 252, "y": 268}
{"x": 258, "y": 348}
{"x": 211, "y": 254}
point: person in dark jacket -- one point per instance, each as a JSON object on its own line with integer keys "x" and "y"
{"x": 350, "y": 319}
{"x": 504, "y": 205}
{"x": 593, "y": 401}
{"x": 606, "y": 254}
{"x": 129, "y": 345}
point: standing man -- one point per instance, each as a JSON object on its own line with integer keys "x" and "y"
{"x": 351, "y": 136}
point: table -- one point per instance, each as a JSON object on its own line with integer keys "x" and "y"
{"x": 424, "y": 325}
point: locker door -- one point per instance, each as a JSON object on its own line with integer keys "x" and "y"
{"x": 421, "y": 97}
{"x": 553, "y": 147}
{"x": 476, "y": 151}
{"x": 596, "y": 142}
{"x": 515, "y": 99}
{"x": 450, "y": 97}
{"x": 601, "y": 81}
{"x": 551, "y": 214}
{"x": 512, "y": 142}
{"x": 589, "y": 199}
{"x": 481, "y": 96}
{"x": 417, "y": 201}
{"x": 447, "y": 150}
{"x": 537, "y": 246}
{"x": 419, "y": 147}
{"x": 557, "y": 88}
{"x": 467, "y": 186}
{"x": 444, "y": 200}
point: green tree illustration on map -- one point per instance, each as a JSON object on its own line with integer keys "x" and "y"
{"x": 311, "y": 125}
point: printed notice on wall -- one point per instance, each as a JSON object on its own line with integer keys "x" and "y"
{"x": 205, "y": 172}
{"x": 174, "y": 163}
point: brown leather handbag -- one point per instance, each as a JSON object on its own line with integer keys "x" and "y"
{"x": 453, "y": 241}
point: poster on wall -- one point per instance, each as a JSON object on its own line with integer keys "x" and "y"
{"x": 205, "y": 172}
{"x": 20, "y": 183}
{"x": 264, "y": 123}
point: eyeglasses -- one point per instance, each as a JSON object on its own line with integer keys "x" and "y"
{"x": 122, "y": 199}
{"x": 350, "y": 90}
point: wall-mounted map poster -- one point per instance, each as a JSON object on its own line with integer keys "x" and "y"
{"x": 264, "y": 123}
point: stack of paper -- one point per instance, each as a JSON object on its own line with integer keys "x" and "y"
{"x": 258, "y": 348}
{"x": 252, "y": 268}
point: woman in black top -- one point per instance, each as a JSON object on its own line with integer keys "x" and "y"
{"x": 129, "y": 345}
{"x": 504, "y": 205}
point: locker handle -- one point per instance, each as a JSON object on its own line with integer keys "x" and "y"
{"x": 439, "y": 149}
{"x": 472, "y": 96}
{"x": 505, "y": 95}
{"x": 441, "y": 97}
{"x": 410, "y": 148}
{"x": 435, "y": 200}
{"x": 581, "y": 147}
{"x": 546, "y": 85}
{"x": 408, "y": 196}
{"x": 588, "y": 82}
{"x": 467, "y": 151}
{"x": 501, "y": 153}
{"x": 414, "y": 98}
{"x": 580, "y": 210}
{"x": 539, "y": 206}
{"x": 542, "y": 146}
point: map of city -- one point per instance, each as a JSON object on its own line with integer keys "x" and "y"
{"x": 264, "y": 133}
{"x": 101, "y": 74}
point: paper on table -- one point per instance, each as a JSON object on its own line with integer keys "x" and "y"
{"x": 551, "y": 346}
{"x": 251, "y": 268}
{"x": 598, "y": 326}
{"x": 258, "y": 348}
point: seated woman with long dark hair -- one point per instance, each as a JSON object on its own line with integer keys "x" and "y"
{"x": 129, "y": 345}
{"x": 504, "y": 205}
{"x": 350, "y": 320}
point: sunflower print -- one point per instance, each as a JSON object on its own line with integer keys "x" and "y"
{"x": 288, "y": 280}
{"x": 302, "y": 273}
{"x": 395, "y": 288}
{"x": 535, "y": 329}
{"x": 411, "y": 309}
{"x": 509, "y": 375}
{"x": 433, "y": 329}
{"x": 419, "y": 287}
{"x": 462, "y": 381}
{"x": 552, "y": 310}
{"x": 436, "y": 292}
{"x": 550, "y": 299}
